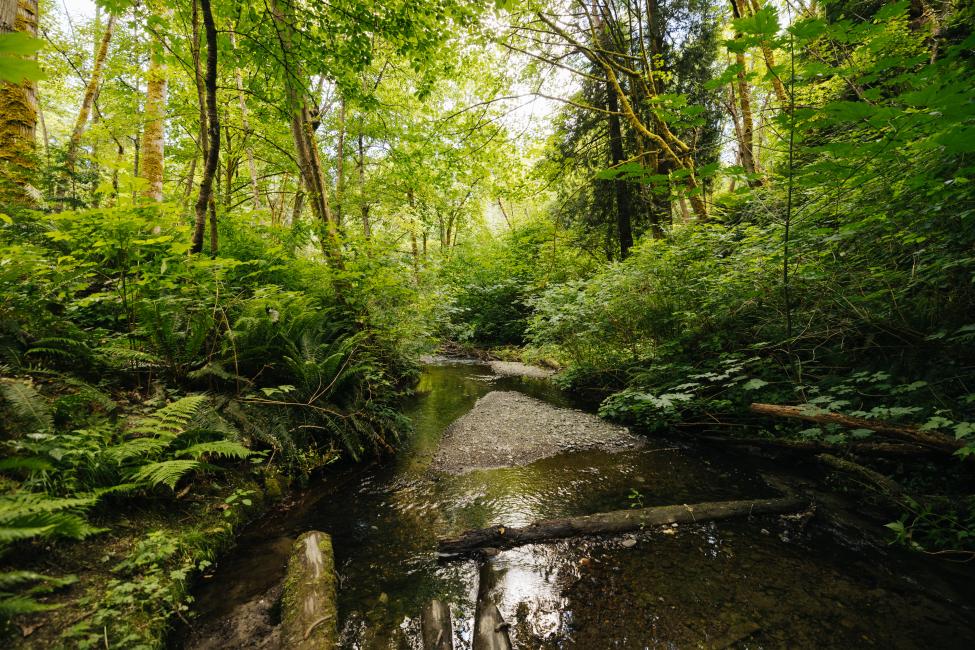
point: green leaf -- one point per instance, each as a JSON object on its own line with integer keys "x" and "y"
{"x": 754, "y": 384}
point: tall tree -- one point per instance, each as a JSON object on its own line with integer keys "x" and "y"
{"x": 153, "y": 145}
{"x": 91, "y": 90}
{"x": 213, "y": 135}
{"x": 18, "y": 112}
{"x": 303, "y": 132}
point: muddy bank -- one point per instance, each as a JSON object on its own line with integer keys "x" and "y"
{"x": 506, "y": 429}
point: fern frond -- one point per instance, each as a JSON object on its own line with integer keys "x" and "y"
{"x": 172, "y": 419}
{"x": 217, "y": 448}
{"x": 15, "y": 506}
{"x": 166, "y": 472}
{"x": 26, "y": 403}
{"x": 10, "y": 579}
{"x": 45, "y": 524}
{"x": 135, "y": 448}
{"x": 59, "y": 346}
{"x": 18, "y": 605}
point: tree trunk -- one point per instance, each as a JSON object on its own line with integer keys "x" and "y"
{"x": 619, "y": 521}
{"x": 364, "y": 207}
{"x": 306, "y": 146}
{"x": 153, "y": 135}
{"x": 769, "y": 57}
{"x": 213, "y": 132}
{"x": 340, "y": 165}
{"x": 910, "y": 434}
{"x": 438, "y": 633}
{"x": 245, "y": 124}
{"x": 91, "y": 89}
{"x": 746, "y": 146}
{"x": 18, "y": 114}
{"x": 309, "y": 607}
{"x": 624, "y": 228}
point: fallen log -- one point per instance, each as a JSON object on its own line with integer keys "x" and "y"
{"x": 308, "y": 604}
{"x": 490, "y": 629}
{"x": 438, "y": 633}
{"x": 929, "y": 439}
{"x": 881, "y": 449}
{"x": 881, "y": 483}
{"x": 618, "y": 521}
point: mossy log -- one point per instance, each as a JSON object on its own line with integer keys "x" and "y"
{"x": 618, "y": 521}
{"x": 309, "y": 610}
{"x": 914, "y": 435}
{"x": 438, "y": 633}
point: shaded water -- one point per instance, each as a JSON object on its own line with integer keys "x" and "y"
{"x": 757, "y": 584}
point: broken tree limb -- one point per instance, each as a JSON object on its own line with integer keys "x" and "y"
{"x": 881, "y": 483}
{"x": 308, "y": 605}
{"x": 438, "y": 633}
{"x": 901, "y": 432}
{"x": 618, "y": 521}
{"x": 881, "y": 449}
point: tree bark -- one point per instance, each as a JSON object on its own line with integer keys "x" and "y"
{"x": 364, "y": 206}
{"x": 154, "y": 130}
{"x": 340, "y": 165}
{"x": 213, "y": 132}
{"x": 309, "y": 607}
{"x": 245, "y": 124}
{"x": 928, "y": 439}
{"x": 619, "y": 521}
{"x": 18, "y": 113}
{"x": 91, "y": 89}
{"x": 438, "y": 633}
{"x": 306, "y": 146}
{"x": 624, "y": 219}
{"x": 769, "y": 57}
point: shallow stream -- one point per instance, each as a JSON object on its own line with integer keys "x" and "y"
{"x": 746, "y": 584}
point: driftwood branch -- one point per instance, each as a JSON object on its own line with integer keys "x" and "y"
{"x": 619, "y": 521}
{"x": 914, "y": 435}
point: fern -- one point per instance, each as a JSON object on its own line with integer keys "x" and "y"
{"x": 171, "y": 420}
{"x": 218, "y": 449}
{"x": 11, "y": 606}
{"x": 26, "y": 403}
{"x": 122, "y": 357}
{"x": 14, "y": 604}
{"x": 167, "y": 472}
{"x": 136, "y": 448}
{"x": 29, "y": 515}
{"x": 60, "y": 347}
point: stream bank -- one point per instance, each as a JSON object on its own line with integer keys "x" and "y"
{"x": 771, "y": 582}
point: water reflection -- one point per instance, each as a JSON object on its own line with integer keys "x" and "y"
{"x": 692, "y": 586}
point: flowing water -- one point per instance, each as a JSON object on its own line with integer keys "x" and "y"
{"x": 747, "y": 584}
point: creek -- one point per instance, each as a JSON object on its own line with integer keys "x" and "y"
{"x": 768, "y": 583}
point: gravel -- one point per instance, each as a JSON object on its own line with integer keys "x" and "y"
{"x": 518, "y": 369}
{"x": 507, "y": 428}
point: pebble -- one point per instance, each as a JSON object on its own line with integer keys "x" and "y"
{"x": 629, "y": 542}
